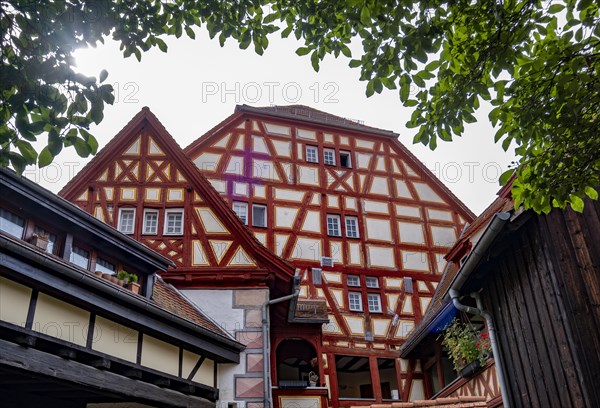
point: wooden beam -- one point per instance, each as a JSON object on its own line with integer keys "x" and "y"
{"x": 81, "y": 375}
{"x": 67, "y": 353}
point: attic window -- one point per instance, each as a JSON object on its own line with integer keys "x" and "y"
{"x": 345, "y": 160}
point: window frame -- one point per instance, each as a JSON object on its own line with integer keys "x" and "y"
{"x": 379, "y": 305}
{"x": 123, "y": 210}
{"x": 372, "y": 279}
{"x": 241, "y": 204}
{"x": 15, "y": 215}
{"x": 332, "y": 152}
{"x": 314, "y": 149}
{"x": 264, "y": 207}
{"x": 355, "y": 220}
{"x": 359, "y": 297}
{"x": 338, "y": 220}
{"x": 169, "y": 211}
{"x": 89, "y": 256}
{"x": 107, "y": 271}
{"x": 150, "y": 211}
{"x": 347, "y": 154}
{"x": 357, "y": 285}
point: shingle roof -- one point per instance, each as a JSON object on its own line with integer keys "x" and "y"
{"x": 170, "y": 299}
{"x": 308, "y": 114}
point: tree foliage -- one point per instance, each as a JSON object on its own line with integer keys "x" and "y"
{"x": 536, "y": 62}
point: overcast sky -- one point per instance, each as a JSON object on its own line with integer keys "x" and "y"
{"x": 197, "y": 84}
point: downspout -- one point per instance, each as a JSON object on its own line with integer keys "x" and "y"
{"x": 490, "y": 234}
{"x": 267, "y": 398}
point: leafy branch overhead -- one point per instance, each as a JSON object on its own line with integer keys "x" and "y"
{"x": 536, "y": 62}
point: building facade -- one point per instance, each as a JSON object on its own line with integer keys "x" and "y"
{"x": 274, "y": 193}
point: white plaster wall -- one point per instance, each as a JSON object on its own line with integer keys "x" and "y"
{"x": 218, "y": 304}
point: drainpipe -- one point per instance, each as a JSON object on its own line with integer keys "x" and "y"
{"x": 267, "y": 399}
{"x": 489, "y": 235}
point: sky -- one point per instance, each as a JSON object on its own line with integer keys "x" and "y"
{"x": 197, "y": 84}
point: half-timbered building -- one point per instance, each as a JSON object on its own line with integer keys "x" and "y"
{"x": 73, "y": 335}
{"x": 366, "y": 223}
{"x": 273, "y": 193}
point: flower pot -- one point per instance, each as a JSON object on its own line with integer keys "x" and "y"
{"x": 106, "y": 276}
{"x": 114, "y": 279}
{"x": 312, "y": 383}
{"x": 134, "y": 287}
{"x": 98, "y": 274}
{"x": 40, "y": 242}
{"x": 470, "y": 369}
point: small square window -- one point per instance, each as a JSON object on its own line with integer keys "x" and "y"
{"x": 374, "y": 303}
{"x": 353, "y": 280}
{"x": 372, "y": 282}
{"x": 150, "y": 222}
{"x": 355, "y": 301}
{"x": 352, "y": 227}
{"x": 259, "y": 215}
{"x": 80, "y": 257}
{"x": 126, "y": 220}
{"x": 333, "y": 225}
{"x": 312, "y": 154}
{"x": 329, "y": 157}
{"x": 173, "y": 222}
{"x": 345, "y": 159}
{"x": 241, "y": 209}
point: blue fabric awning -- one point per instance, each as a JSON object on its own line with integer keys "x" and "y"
{"x": 443, "y": 319}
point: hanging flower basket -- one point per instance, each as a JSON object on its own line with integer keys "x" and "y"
{"x": 468, "y": 348}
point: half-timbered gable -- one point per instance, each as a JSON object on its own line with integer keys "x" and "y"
{"x": 364, "y": 220}
{"x": 142, "y": 184}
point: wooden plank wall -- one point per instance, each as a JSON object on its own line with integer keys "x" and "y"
{"x": 544, "y": 292}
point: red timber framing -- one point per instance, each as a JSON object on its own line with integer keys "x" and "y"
{"x": 143, "y": 169}
{"x": 405, "y": 219}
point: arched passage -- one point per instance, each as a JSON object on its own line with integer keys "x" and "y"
{"x": 295, "y": 358}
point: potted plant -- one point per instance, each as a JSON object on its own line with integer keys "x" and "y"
{"x": 132, "y": 284}
{"x": 467, "y": 347}
{"x": 123, "y": 277}
{"x": 313, "y": 378}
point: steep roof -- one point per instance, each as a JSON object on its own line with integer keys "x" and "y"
{"x": 172, "y": 300}
{"x": 302, "y": 113}
{"x": 121, "y": 141}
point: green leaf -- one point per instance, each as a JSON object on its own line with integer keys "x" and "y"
{"x": 190, "y": 32}
{"x": 555, "y": 8}
{"x": 303, "y": 51}
{"x": 161, "y": 44}
{"x": 27, "y": 151}
{"x": 576, "y": 203}
{"x": 504, "y": 177}
{"x": 591, "y": 193}
{"x": 45, "y": 157}
{"x": 365, "y": 16}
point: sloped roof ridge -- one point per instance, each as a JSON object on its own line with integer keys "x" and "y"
{"x": 179, "y": 304}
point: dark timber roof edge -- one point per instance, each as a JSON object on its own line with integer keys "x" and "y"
{"x": 65, "y": 209}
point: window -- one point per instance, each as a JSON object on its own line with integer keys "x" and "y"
{"x": 345, "y": 160}
{"x": 312, "y": 154}
{"x": 80, "y": 257}
{"x": 104, "y": 266}
{"x": 374, "y": 302}
{"x": 355, "y": 301}
{"x": 333, "y": 225}
{"x": 150, "y": 222}
{"x": 11, "y": 223}
{"x": 354, "y": 377}
{"x": 241, "y": 209}
{"x": 259, "y": 215}
{"x": 352, "y": 227}
{"x": 353, "y": 280}
{"x": 173, "y": 222}
{"x": 329, "y": 157}
{"x": 51, "y": 238}
{"x": 316, "y": 276}
{"x": 372, "y": 282}
{"x": 126, "y": 220}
